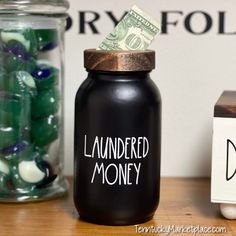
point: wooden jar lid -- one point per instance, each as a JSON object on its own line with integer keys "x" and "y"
{"x": 101, "y": 60}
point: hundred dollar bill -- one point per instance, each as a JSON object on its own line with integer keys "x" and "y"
{"x": 134, "y": 32}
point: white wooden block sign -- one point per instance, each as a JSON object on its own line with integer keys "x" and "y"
{"x": 223, "y": 176}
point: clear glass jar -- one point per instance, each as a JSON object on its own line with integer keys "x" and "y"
{"x": 31, "y": 99}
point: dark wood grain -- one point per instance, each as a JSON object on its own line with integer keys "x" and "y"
{"x": 101, "y": 60}
{"x": 226, "y": 105}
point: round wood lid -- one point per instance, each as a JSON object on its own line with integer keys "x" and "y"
{"x": 101, "y": 60}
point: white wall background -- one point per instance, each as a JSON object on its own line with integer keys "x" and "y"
{"x": 191, "y": 73}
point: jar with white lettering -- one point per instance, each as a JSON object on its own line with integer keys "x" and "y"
{"x": 117, "y": 142}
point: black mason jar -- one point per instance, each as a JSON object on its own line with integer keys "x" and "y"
{"x": 117, "y": 138}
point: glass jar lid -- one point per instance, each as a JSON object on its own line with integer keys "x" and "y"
{"x": 34, "y": 6}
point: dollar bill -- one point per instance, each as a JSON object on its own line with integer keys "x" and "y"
{"x": 134, "y": 32}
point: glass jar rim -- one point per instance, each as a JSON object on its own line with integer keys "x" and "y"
{"x": 48, "y": 7}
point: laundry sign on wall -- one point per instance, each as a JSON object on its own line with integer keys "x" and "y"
{"x": 195, "y": 62}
